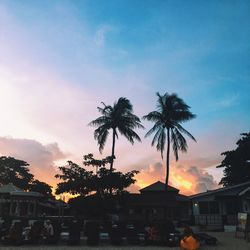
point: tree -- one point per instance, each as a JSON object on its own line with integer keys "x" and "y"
{"x": 108, "y": 181}
{"x": 16, "y": 172}
{"x": 89, "y": 160}
{"x": 171, "y": 112}
{"x": 41, "y": 187}
{"x": 75, "y": 180}
{"x": 118, "y": 117}
{"x": 237, "y": 163}
{"x": 78, "y": 180}
{"x": 114, "y": 182}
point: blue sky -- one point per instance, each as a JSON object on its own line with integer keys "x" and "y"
{"x": 60, "y": 59}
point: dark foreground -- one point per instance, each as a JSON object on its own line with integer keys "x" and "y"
{"x": 226, "y": 241}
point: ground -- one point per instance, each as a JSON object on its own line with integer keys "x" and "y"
{"x": 226, "y": 241}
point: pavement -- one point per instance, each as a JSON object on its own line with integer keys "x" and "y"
{"x": 226, "y": 241}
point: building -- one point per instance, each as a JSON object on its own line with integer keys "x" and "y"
{"x": 155, "y": 203}
{"x": 17, "y": 203}
{"x": 221, "y": 206}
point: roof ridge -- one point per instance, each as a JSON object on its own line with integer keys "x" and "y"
{"x": 220, "y": 189}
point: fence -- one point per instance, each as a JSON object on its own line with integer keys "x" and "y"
{"x": 214, "y": 219}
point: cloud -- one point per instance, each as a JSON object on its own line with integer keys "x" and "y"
{"x": 229, "y": 101}
{"x": 41, "y": 157}
{"x": 101, "y": 33}
{"x": 189, "y": 180}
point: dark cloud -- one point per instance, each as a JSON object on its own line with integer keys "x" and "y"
{"x": 40, "y": 157}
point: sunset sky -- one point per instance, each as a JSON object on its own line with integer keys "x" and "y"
{"x": 61, "y": 59}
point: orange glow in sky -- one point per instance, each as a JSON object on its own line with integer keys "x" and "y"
{"x": 182, "y": 183}
{"x": 51, "y": 83}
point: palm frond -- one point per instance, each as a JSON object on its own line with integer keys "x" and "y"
{"x": 184, "y": 131}
{"x": 182, "y": 143}
{"x": 175, "y": 144}
{"x": 157, "y": 125}
{"x": 161, "y": 142}
{"x": 153, "y": 116}
{"x": 156, "y": 136}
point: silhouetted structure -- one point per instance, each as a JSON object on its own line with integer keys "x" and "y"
{"x": 17, "y": 203}
{"x": 155, "y": 203}
{"x": 219, "y": 207}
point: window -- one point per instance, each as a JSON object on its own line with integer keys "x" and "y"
{"x": 203, "y": 206}
{"x": 131, "y": 211}
{"x": 233, "y": 207}
{"x": 214, "y": 207}
{"x": 209, "y": 207}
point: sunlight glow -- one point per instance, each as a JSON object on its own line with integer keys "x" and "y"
{"x": 181, "y": 182}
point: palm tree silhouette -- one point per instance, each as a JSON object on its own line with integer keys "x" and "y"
{"x": 118, "y": 117}
{"x": 171, "y": 112}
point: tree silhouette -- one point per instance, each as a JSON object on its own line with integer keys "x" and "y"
{"x": 41, "y": 187}
{"x": 171, "y": 112}
{"x": 118, "y": 117}
{"x": 15, "y": 171}
{"x": 89, "y": 160}
{"x": 78, "y": 180}
{"x": 75, "y": 180}
{"x": 237, "y": 163}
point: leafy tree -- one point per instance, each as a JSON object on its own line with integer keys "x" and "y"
{"x": 89, "y": 160}
{"x": 113, "y": 182}
{"x": 171, "y": 112}
{"x": 108, "y": 181}
{"x": 237, "y": 163}
{"x": 15, "y": 171}
{"x": 41, "y": 187}
{"x": 75, "y": 180}
{"x": 118, "y": 117}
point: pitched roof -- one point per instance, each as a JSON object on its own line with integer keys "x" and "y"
{"x": 13, "y": 190}
{"x": 9, "y": 188}
{"x": 158, "y": 187}
{"x": 230, "y": 190}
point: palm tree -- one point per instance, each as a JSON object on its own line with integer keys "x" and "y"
{"x": 171, "y": 112}
{"x": 118, "y": 117}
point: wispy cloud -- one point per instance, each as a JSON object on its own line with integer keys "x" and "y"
{"x": 58, "y": 64}
{"x": 101, "y": 34}
{"x": 229, "y": 101}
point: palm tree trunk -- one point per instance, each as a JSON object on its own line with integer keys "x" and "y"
{"x": 113, "y": 151}
{"x": 167, "y": 160}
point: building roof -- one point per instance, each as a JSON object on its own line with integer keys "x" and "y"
{"x": 158, "y": 187}
{"x": 225, "y": 191}
{"x": 9, "y": 188}
{"x": 15, "y": 191}
{"x": 26, "y": 193}
{"x": 181, "y": 197}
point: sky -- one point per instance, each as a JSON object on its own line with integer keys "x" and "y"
{"x": 61, "y": 59}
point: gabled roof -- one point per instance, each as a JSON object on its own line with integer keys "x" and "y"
{"x": 158, "y": 187}
{"x": 231, "y": 190}
{"x": 26, "y": 193}
{"x": 9, "y": 188}
{"x": 13, "y": 190}
{"x": 181, "y": 197}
